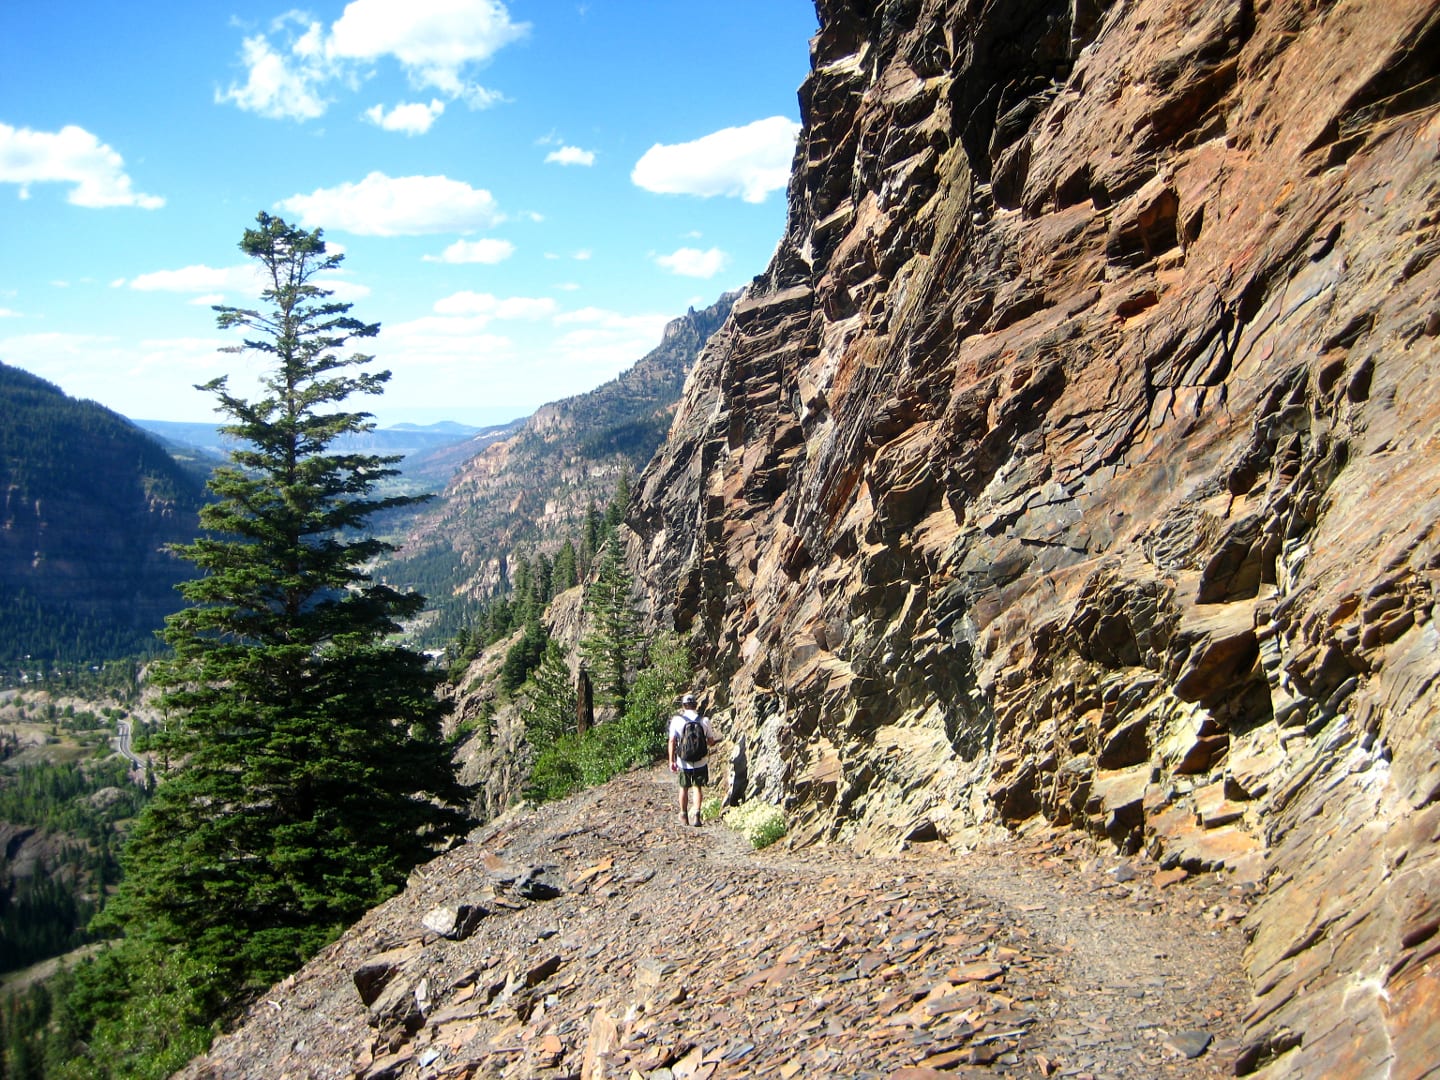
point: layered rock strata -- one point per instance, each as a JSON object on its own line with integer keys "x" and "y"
{"x": 1076, "y": 458}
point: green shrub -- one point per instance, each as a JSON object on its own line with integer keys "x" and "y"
{"x": 759, "y": 822}
{"x": 636, "y": 737}
{"x": 556, "y": 771}
{"x": 136, "y": 1011}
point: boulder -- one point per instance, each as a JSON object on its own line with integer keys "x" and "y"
{"x": 456, "y": 923}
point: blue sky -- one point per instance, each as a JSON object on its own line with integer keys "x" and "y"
{"x": 525, "y": 192}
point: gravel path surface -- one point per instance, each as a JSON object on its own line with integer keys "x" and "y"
{"x": 607, "y": 939}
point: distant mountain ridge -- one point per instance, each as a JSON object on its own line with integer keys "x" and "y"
{"x": 394, "y": 439}
{"x": 528, "y": 491}
{"x": 429, "y": 452}
{"x": 439, "y": 427}
{"x": 88, "y": 502}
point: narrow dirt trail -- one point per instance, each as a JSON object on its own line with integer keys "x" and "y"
{"x": 616, "y": 941}
{"x": 1132, "y": 975}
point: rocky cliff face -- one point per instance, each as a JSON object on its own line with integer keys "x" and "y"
{"x": 1076, "y": 459}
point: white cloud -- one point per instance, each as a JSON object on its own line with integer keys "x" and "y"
{"x": 212, "y": 284}
{"x": 72, "y": 156}
{"x": 381, "y": 205}
{"x": 150, "y": 378}
{"x": 310, "y": 44}
{"x": 606, "y": 319}
{"x": 412, "y": 118}
{"x": 474, "y": 251}
{"x": 196, "y": 353}
{"x": 436, "y": 41}
{"x": 570, "y": 155}
{"x": 486, "y": 306}
{"x": 457, "y": 349}
{"x": 603, "y": 343}
{"x": 748, "y": 162}
{"x": 343, "y": 289}
{"x": 281, "y": 85}
{"x": 583, "y": 255}
{"x": 692, "y": 262}
{"x": 200, "y": 279}
{"x": 6, "y": 313}
{"x": 439, "y": 341}
{"x": 441, "y": 359}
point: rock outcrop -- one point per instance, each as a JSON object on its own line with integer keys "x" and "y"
{"x": 1076, "y": 459}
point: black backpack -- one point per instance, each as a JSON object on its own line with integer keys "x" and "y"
{"x": 692, "y": 746}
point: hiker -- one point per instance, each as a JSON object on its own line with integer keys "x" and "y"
{"x": 691, "y": 737}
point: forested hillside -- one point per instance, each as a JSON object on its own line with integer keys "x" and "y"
{"x": 58, "y": 824}
{"x": 87, "y": 504}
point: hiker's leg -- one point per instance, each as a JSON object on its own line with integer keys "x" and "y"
{"x": 698, "y": 778}
{"x": 689, "y": 778}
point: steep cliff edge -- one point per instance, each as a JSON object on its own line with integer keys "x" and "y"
{"x": 1076, "y": 458}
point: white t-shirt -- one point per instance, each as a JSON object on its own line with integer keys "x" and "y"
{"x": 677, "y": 724}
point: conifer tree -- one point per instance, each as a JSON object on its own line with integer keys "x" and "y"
{"x": 311, "y": 775}
{"x": 619, "y": 501}
{"x": 567, "y": 573}
{"x": 549, "y": 699}
{"x": 612, "y": 648}
{"x": 522, "y": 586}
{"x": 524, "y": 656}
{"x": 592, "y": 534}
{"x": 544, "y": 579}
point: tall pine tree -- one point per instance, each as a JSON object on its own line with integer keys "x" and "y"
{"x": 312, "y": 775}
{"x": 613, "y": 647}
{"x": 567, "y": 572}
{"x": 549, "y": 700}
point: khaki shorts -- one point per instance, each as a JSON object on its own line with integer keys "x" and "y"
{"x": 695, "y": 777}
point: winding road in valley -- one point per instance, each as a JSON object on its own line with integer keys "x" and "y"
{"x": 121, "y": 742}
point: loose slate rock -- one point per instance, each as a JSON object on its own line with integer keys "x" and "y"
{"x": 371, "y": 977}
{"x": 1190, "y": 1044}
{"x": 455, "y": 923}
{"x": 785, "y": 963}
{"x": 538, "y": 883}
